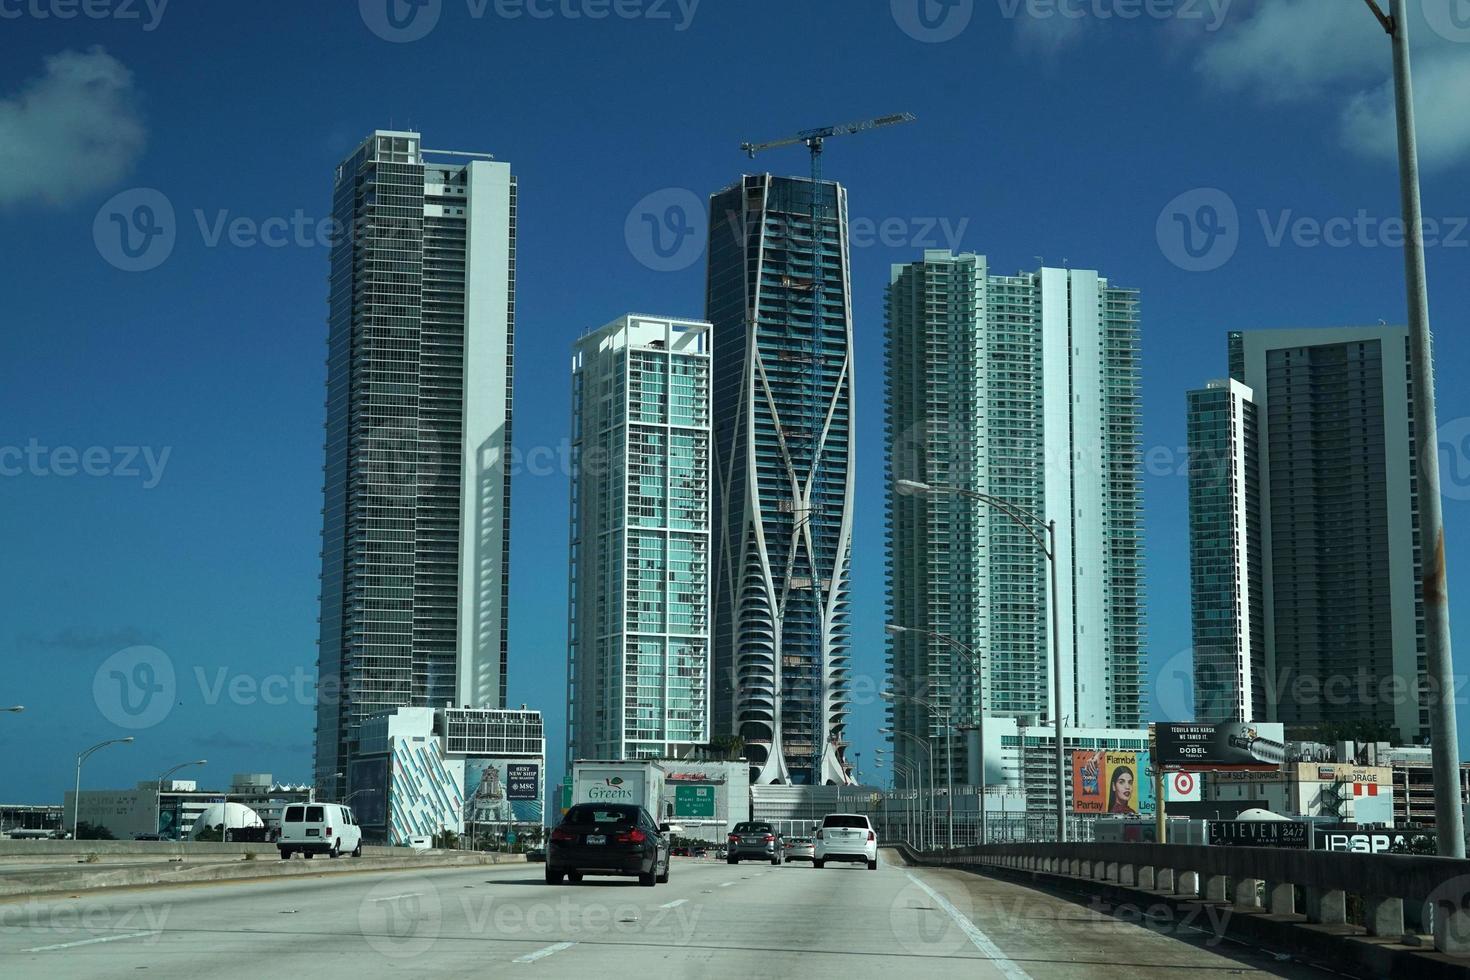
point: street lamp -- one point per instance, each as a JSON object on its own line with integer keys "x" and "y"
{"x": 948, "y": 752}
{"x": 14, "y": 711}
{"x": 311, "y": 796}
{"x": 929, "y": 750}
{"x": 1034, "y": 525}
{"x": 158, "y": 799}
{"x": 76, "y": 800}
{"x": 1449, "y": 819}
{"x": 353, "y": 796}
{"x": 907, "y": 772}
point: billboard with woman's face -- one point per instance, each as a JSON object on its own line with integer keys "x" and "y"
{"x": 1111, "y": 782}
{"x": 1123, "y": 780}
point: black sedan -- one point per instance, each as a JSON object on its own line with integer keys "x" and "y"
{"x": 608, "y": 839}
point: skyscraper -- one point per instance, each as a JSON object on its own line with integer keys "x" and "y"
{"x": 1026, "y": 388}
{"x": 415, "y": 535}
{"x": 780, "y": 301}
{"x": 638, "y": 677}
{"x": 1330, "y": 492}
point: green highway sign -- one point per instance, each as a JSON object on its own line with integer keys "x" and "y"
{"x": 694, "y": 801}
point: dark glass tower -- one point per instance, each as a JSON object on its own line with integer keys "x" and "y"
{"x": 780, "y": 301}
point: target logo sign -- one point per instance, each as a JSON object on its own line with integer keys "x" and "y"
{"x": 1182, "y": 787}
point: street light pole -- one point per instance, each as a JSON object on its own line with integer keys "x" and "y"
{"x": 1044, "y": 533}
{"x": 1449, "y": 819}
{"x": 948, "y": 751}
{"x": 76, "y": 799}
{"x": 925, "y": 830}
{"x": 158, "y": 797}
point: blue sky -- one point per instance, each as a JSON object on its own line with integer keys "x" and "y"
{"x": 167, "y": 490}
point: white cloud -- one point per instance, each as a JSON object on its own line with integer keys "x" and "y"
{"x": 1292, "y": 49}
{"x": 70, "y": 131}
{"x": 1441, "y": 98}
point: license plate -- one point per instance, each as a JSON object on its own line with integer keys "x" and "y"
{"x": 597, "y": 838}
{"x": 313, "y": 833}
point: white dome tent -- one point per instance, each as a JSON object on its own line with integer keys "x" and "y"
{"x": 234, "y": 816}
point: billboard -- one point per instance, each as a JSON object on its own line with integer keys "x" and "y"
{"x": 694, "y": 801}
{"x": 1228, "y": 745}
{"x": 1111, "y": 782}
{"x": 502, "y": 791}
{"x": 1374, "y": 841}
{"x": 1258, "y": 833}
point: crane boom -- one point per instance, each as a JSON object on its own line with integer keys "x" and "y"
{"x": 814, "y": 138}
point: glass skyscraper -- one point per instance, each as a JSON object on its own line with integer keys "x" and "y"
{"x": 638, "y": 653}
{"x": 780, "y": 301}
{"x": 1327, "y": 496}
{"x": 416, "y": 521}
{"x": 1026, "y": 388}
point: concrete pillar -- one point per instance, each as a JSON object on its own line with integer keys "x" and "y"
{"x": 1248, "y": 893}
{"x": 1282, "y": 898}
{"x": 1110, "y": 871}
{"x": 1086, "y": 871}
{"x": 1127, "y": 875}
{"x": 1215, "y": 888}
{"x": 1327, "y": 906}
{"x": 1145, "y": 878}
{"x": 1452, "y": 928}
{"x": 1187, "y": 883}
{"x": 1164, "y": 880}
{"x": 1074, "y": 867}
{"x": 1383, "y": 916}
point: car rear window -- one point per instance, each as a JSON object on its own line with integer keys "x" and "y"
{"x": 584, "y": 815}
{"x": 314, "y": 814}
{"x": 294, "y": 813}
{"x": 845, "y": 820}
{"x": 752, "y": 828}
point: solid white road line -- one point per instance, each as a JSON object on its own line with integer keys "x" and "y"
{"x": 541, "y": 954}
{"x": 982, "y": 942}
{"x": 395, "y": 898}
{"x": 727, "y": 884}
{"x": 675, "y": 903}
{"x": 92, "y": 942}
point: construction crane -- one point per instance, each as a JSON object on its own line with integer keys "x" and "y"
{"x": 816, "y": 139}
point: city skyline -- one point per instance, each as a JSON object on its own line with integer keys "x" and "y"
{"x": 209, "y": 363}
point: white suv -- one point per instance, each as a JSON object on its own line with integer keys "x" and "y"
{"x": 846, "y": 837}
{"x": 319, "y": 828}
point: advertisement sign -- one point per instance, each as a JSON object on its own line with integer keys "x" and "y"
{"x": 1182, "y": 787}
{"x": 502, "y": 791}
{"x": 1111, "y": 782}
{"x": 1258, "y": 833}
{"x": 1371, "y": 841}
{"x": 1228, "y": 745}
{"x": 694, "y": 801}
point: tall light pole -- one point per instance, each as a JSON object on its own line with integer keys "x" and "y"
{"x": 1044, "y": 533}
{"x": 158, "y": 809}
{"x": 948, "y": 751}
{"x": 924, "y": 833}
{"x": 311, "y": 795}
{"x": 1449, "y": 819}
{"x": 76, "y": 800}
{"x": 900, "y": 768}
{"x": 972, "y": 657}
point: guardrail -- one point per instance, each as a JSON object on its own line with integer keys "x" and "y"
{"x": 1344, "y": 894}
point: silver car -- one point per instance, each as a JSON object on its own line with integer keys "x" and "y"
{"x": 799, "y": 849}
{"x": 753, "y": 839}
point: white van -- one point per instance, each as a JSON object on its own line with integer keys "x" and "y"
{"x": 319, "y": 828}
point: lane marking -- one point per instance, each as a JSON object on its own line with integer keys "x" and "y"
{"x": 981, "y": 941}
{"x": 541, "y": 954}
{"x": 395, "y": 898}
{"x": 727, "y": 884}
{"x": 675, "y": 903}
{"x": 92, "y": 942}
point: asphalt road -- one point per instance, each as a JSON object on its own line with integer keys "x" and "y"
{"x": 711, "y": 920}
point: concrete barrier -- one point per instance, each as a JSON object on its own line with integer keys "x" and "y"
{"x": 1353, "y": 909}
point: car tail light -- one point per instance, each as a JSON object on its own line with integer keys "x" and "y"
{"x": 770, "y": 837}
{"x": 563, "y": 835}
{"x": 634, "y": 836}
{"x": 872, "y": 836}
{"x": 328, "y": 831}
{"x": 734, "y": 839}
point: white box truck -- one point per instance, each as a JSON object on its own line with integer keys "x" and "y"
{"x": 641, "y": 783}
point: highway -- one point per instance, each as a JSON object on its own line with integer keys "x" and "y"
{"x": 711, "y": 920}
